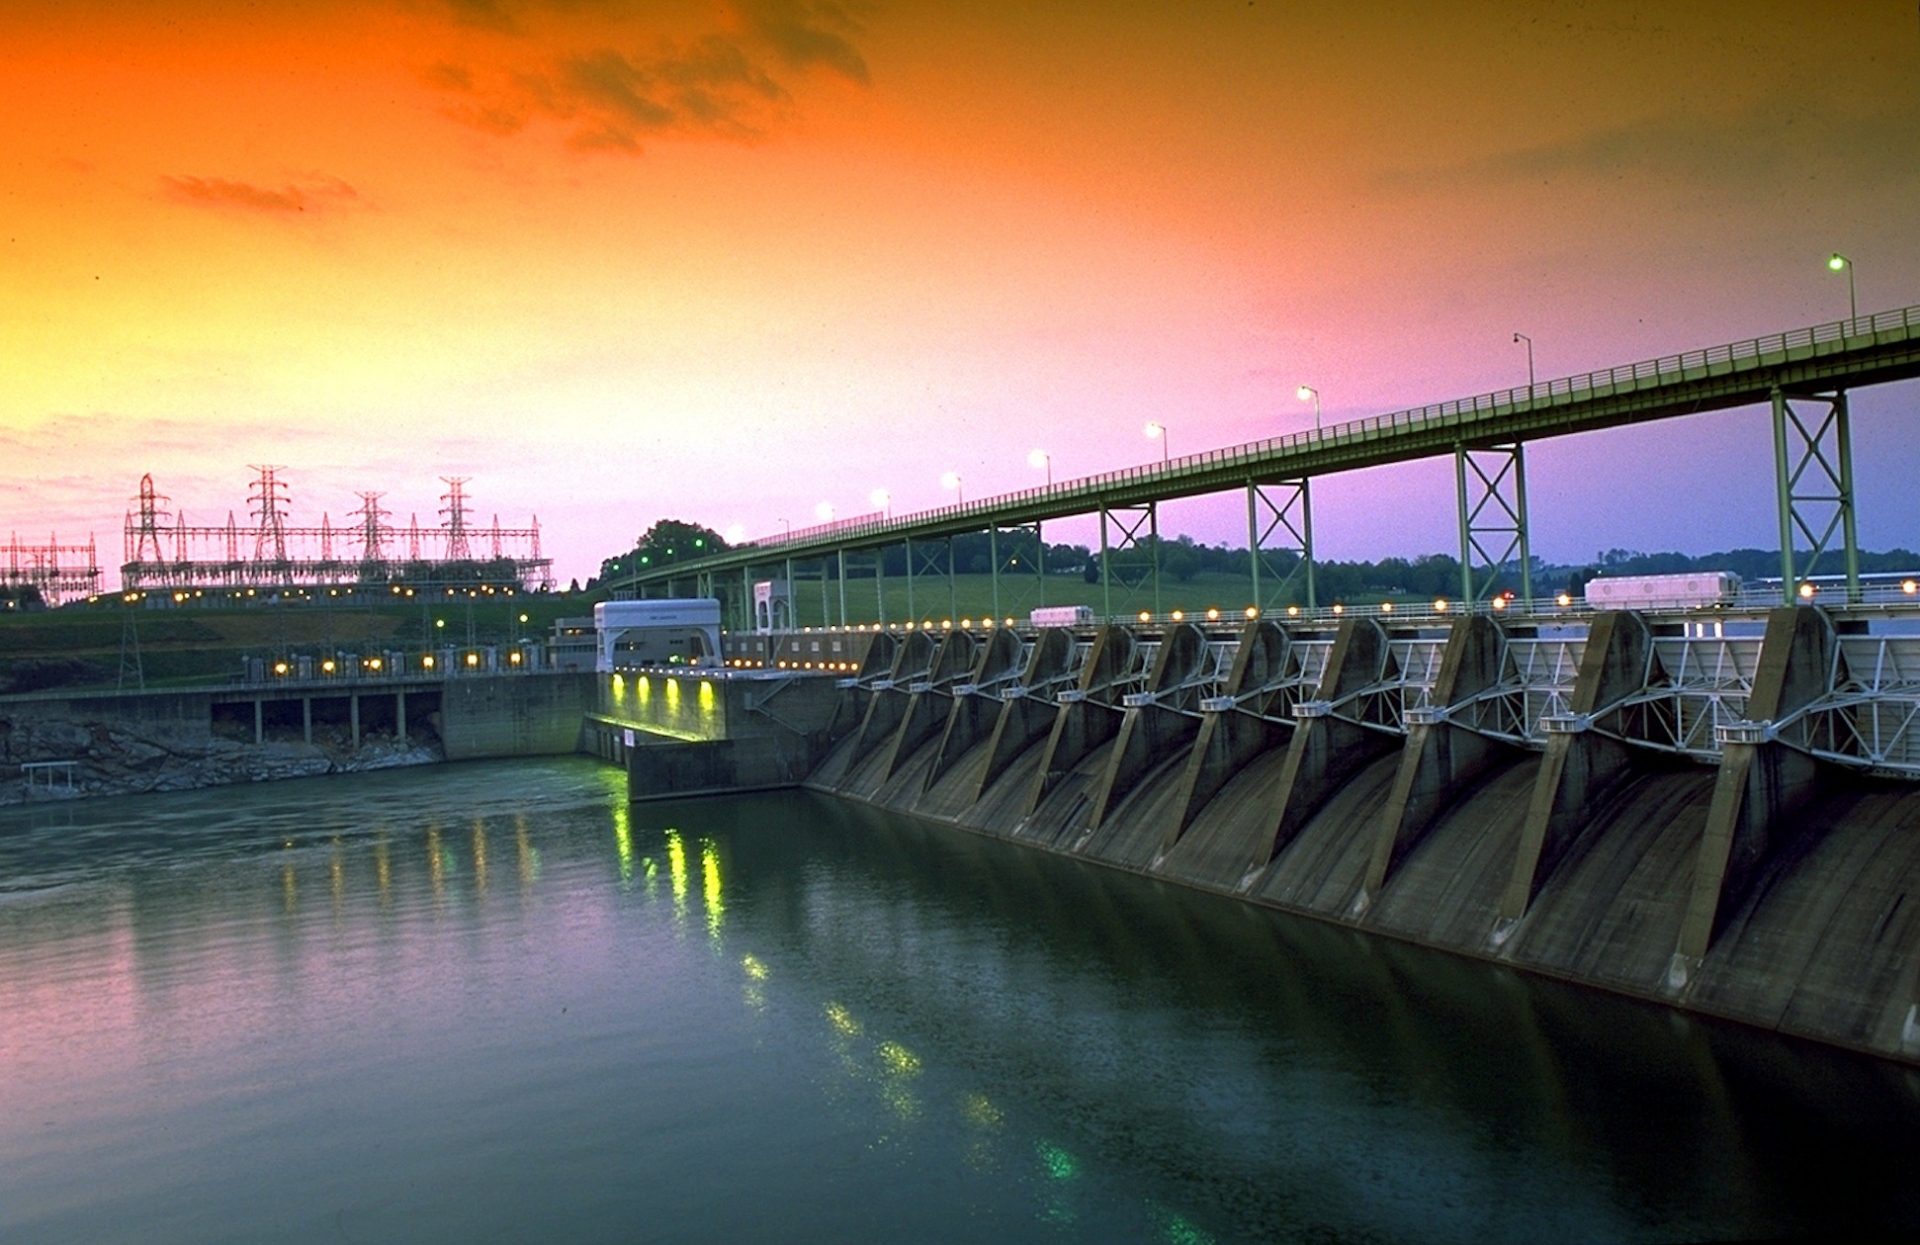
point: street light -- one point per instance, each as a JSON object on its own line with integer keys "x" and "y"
{"x": 1158, "y": 432}
{"x": 1307, "y": 393}
{"x": 1040, "y": 458}
{"x": 881, "y": 500}
{"x": 1522, "y": 337}
{"x": 824, "y": 512}
{"x": 952, "y": 480}
{"x": 1836, "y": 262}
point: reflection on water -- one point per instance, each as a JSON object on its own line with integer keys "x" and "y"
{"x": 324, "y": 1011}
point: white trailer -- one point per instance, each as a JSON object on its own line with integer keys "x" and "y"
{"x": 1687, "y": 590}
{"x": 1062, "y": 616}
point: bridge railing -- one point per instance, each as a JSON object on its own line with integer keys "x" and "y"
{"x": 1895, "y": 325}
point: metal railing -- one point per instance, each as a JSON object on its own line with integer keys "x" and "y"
{"x": 1899, "y": 324}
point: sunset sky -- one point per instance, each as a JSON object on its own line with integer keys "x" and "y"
{"x": 724, "y": 262}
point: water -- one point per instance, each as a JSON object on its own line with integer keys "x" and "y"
{"x": 493, "y": 1003}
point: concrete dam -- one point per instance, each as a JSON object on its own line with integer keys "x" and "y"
{"x": 1717, "y": 811}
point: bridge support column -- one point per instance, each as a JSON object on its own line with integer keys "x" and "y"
{"x": 841, "y": 555}
{"x": 1442, "y": 758}
{"x": 1813, "y": 472}
{"x": 1136, "y": 527}
{"x": 1152, "y": 732}
{"x": 259, "y": 721}
{"x": 306, "y": 718}
{"x": 1762, "y": 783}
{"x": 1279, "y": 507}
{"x": 1581, "y": 764}
{"x": 1492, "y": 488}
{"x": 353, "y": 716}
{"x": 1330, "y": 745}
{"x": 400, "y": 716}
{"x": 1229, "y": 738}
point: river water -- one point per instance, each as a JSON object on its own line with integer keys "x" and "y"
{"x": 494, "y": 1003}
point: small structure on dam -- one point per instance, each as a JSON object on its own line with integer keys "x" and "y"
{"x": 1716, "y": 809}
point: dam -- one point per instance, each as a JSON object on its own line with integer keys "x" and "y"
{"x": 1714, "y": 808}
{"x": 1718, "y": 811}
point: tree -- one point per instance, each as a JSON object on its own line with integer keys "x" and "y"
{"x": 669, "y": 540}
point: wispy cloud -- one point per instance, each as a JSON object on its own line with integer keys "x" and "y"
{"x": 221, "y": 193}
{"x": 1756, "y": 150}
{"x": 621, "y": 79}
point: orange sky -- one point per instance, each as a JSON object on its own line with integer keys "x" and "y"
{"x": 727, "y": 261}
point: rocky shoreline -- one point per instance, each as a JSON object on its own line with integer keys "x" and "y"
{"x": 115, "y": 758}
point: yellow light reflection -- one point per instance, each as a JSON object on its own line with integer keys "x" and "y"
{"x": 480, "y": 855}
{"x": 754, "y": 966}
{"x": 289, "y": 891}
{"x": 980, "y": 1111}
{"x": 383, "y": 869}
{"x": 843, "y": 1020}
{"x": 337, "y": 871}
{"x": 677, "y": 869}
{"x": 436, "y": 866}
{"x": 710, "y": 889}
{"x": 898, "y": 1060}
{"x": 623, "y": 842}
{"x": 528, "y": 855}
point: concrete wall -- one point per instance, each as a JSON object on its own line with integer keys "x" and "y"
{"x": 1768, "y": 889}
{"x": 705, "y": 733}
{"x": 515, "y": 715}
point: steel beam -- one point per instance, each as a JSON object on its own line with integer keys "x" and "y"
{"x": 1134, "y": 527}
{"x": 1492, "y": 493}
{"x": 1285, "y": 507}
{"x": 1813, "y": 476}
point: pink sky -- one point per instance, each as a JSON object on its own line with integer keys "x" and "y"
{"x": 624, "y": 260}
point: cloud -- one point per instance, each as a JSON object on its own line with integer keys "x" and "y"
{"x": 218, "y": 192}
{"x": 1776, "y": 141}
{"x": 805, "y": 35}
{"x": 618, "y": 74}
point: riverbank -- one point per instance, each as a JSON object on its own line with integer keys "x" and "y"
{"x": 55, "y": 747}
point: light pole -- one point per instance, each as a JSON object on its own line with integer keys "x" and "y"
{"x": 1158, "y": 432}
{"x": 1040, "y": 458}
{"x": 881, "y": 500}
{"x": 1522, "y": 337}
{"x": 952, "y": 480}
{"x": 824, "y": 512}
{"x": 1836, "y": 262}
{"x": 786, "y": 528}
{"x": 1307, "y": 393}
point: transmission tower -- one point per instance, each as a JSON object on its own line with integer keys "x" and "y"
{"x": 455, "y": 512}
{"x": 132, "y": 669}
{"x": 144, "y": 523}
{"x": 267, "y": 503}
{"x": 373, "y": 533}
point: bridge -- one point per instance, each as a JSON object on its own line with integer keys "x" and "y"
{"x": 1804, "y": 375}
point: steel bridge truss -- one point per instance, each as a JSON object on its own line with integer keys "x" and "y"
{"x": 1004, "y": 561}
{"x": 930, "y": 558}
{"x": 1491, "y": 483}
{"x": 1124, "y": 529}
{"x": 1813, "y": 466}
{"x": 1279, "y": 520}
